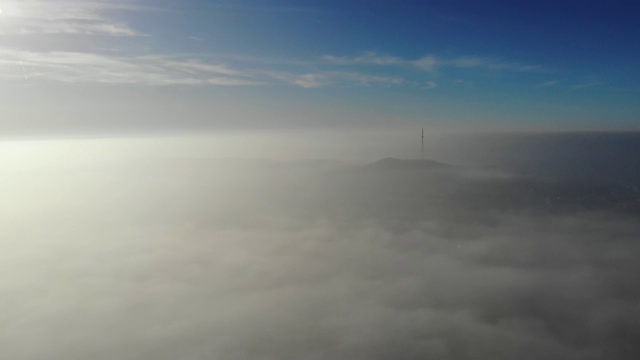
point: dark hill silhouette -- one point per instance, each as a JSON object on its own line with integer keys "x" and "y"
{"x": 406, "y": 164}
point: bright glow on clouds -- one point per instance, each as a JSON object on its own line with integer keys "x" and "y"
{"x": 21, "y": 17}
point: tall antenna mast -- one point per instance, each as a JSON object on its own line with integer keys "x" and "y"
{"x": 422, "y": 146}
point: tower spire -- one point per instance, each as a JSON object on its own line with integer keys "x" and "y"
{"x": 422, "y": 146}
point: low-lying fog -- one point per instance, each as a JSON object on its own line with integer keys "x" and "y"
{"x": 509, "y": 248}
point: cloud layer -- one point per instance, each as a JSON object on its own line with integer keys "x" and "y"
{"x": 311, "y": 260}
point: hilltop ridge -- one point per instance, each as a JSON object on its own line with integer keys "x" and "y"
{"x": 407, "y": 164}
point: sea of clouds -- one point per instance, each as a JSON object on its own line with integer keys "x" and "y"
{"x": 240, "y": 259}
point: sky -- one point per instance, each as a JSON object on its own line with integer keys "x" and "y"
{"x": 76, "y": 67}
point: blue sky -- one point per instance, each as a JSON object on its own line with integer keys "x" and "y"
{"x": 136, "y": 66}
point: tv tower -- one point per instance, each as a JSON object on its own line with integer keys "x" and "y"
{"x": 422, "y": 146}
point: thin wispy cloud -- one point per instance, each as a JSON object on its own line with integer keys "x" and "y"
{"x": 430, "y": 85}
{"x": 236, "y": 8}
{"x": 365, "y": 79}
{"x": 492, "y": 64}
{"x": 74, "y": 17}
{"x": 68, "y": 26}
{"x": 432, "y": 62}
{"x": 165, "y": 70}
{"x": 367, "y": 58}
{"x": 428, "y": 62}
{"x": 309, "y": 80}
{"x": 197, "y": 67}
{"x": 585, "y": 85}
{"x": 547, "y": 84}
{"x": 323, "y": 78}
{"x": 79, "y": 68}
